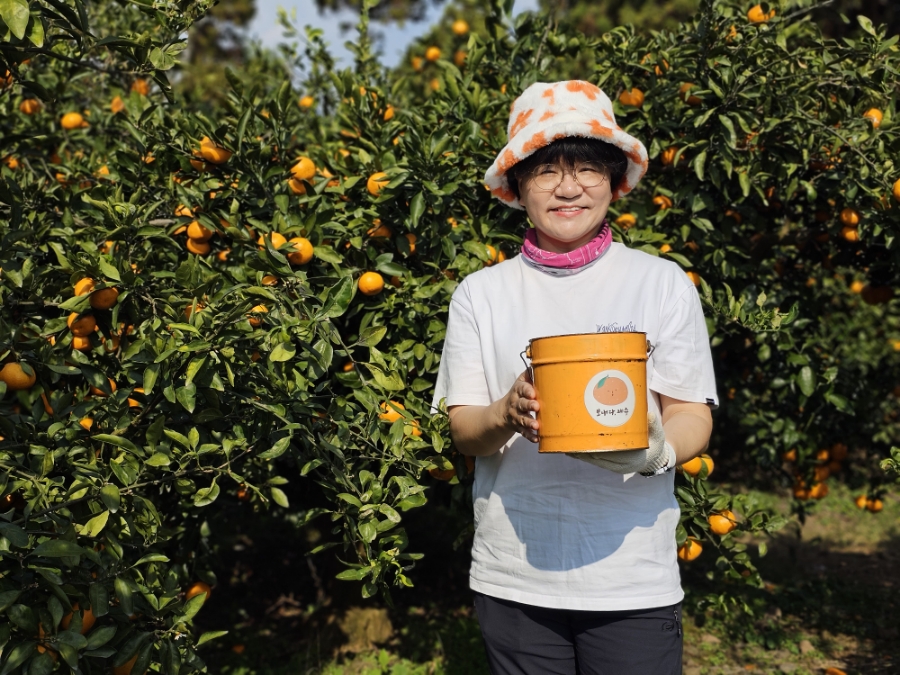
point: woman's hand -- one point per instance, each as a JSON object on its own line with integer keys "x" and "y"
{"x": 518, "y": 404}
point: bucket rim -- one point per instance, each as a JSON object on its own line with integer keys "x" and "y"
{"x": 623, "y": 332}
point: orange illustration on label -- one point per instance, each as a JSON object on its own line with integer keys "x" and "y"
{"x": 610, "y": 391}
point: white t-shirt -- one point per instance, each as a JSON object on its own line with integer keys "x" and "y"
{"x": 550, "y": 530}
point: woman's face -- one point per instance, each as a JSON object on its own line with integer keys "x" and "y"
{"x": 569, "y": 216}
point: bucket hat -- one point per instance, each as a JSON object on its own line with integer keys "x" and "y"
{"x": 546, "y": 112}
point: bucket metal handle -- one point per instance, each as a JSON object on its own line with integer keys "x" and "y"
{"x": 650, "y": 348}
{"x": 526, "y": 353}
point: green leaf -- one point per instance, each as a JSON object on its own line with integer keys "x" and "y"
{"x": 100, "y": 636}
{"x": 806, "y": 380}
{"x": 18, "y": 655}
{"x": 211, "y": 635}
{"x": 16, "y": 535}
{"x": 338, "y": 299}
{"x": 15, "y": 14}
{"x": 110, "y": 496}
{"x": 187, "y": 396}
{"x": 108, "y": 270}
{"x": 416, "y": 209}
{"x": 279, "y": 497}
{"x": 7, "y": 598}
{"x": 283, "y": 351}
{"x": 123, "y": 593}
{"x": 57, "y": 548}
{"x": 119, "y": 442}
{"x": 151, "y": 558}
{"x": 372, "y": 335}
{"x": 354, "y": 574}
{"x": 277, "y": 450}
{"x": 95, "y": 525}
{"x": 206, "y": 496}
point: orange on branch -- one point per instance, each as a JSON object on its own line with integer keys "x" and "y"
{"x": 875, "y": 116}
{"x": 198, "y": 246}
{"x": 16, "y": 377}
{"x": 389, "y": 412}
{"x": 757, "y": 15}
{"x": 632, "y": 97}
{"x": 303, "y": 251}
{"x": 874, "y": 505}
{"x": 257, "y": 321}
{"x": 84, "y": 286}
{"x": 690, "y": 549}
{"x": 214, "y": 153}
{"x": 371, "y": 283}
{"x": 723, "y": 522}
{"x": 376, "y": 182}
{"x": 140, "y": 86}
{"x": 81, "y": 326}
{"x": 275, "y": 238}
{"x": 104, "y": 298}
{"x": 850, "y": 217}
{"x": 30, "y": 106}
{"x": 460, "y": 27}
{"x": 197, "y": 231}
{"x": 432, "y": 53}
{"x": 304, "y": 169}
{"x": 97, "y": 391}
{"x": 72, "y": 120}
{"x": 198, "y": 588}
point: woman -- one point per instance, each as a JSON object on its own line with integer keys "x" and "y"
{"x": 573, "y": 565}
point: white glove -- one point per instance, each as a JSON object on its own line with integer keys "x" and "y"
{"x": 657, "y": 459}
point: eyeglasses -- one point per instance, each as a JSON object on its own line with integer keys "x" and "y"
{"x": 547, "y": 177}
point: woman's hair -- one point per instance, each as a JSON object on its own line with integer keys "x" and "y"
{"x": 568, "y": 151}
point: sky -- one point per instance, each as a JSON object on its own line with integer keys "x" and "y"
{"x": 265, "y": 27}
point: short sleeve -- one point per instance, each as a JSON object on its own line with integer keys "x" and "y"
{"x": 681, "y": 363}
{"x": 461, "y": 377}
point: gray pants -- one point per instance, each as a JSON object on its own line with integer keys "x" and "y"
{"x": 527, "y": 640}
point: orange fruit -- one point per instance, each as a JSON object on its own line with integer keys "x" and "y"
{"x": 104, "y": 298}
{"x": 30, "y": 106}
{"x": 82, "y": 344}
{"x": 112, "y": 344}
{"x": 185, "y": 211}
{"x": 117, "y": 105}
{"x": 818, "y": 490}
{"x": 84, "y": 286}
{"x": 47, "y": 407}
{"x": 11, "y": 162}
{"x": 668, "y": 155}
{"x": 492, "y": 252}
{"x": 690, "y": 549}
{"x": 72, "y": 120}
{"x": 83, "y": 326}
{"x": 790, "y": 455}
{"x": 222, "y": 256}
{"x": 197, "y": 588}
{"x": 757, "y": 15}
{"x": 413, "y": 429}
{"x": 86, "y": 423}
{"x": 256, "y": 321}
{"x": 189, "y": 310}
{"x": 411, "y": 238}
{"x": 857, "y": 286}
{"x": 693, "y": 466}
{"x": 632, "y": 97}
{"x": 306, "y": 102}
{"x": 895, "y": 190}
{"x": 304, "y": 169}
{"x": 96, "y": 391}
{"x": 861, "y": 501}
{"x": 834, "y": 671}
{"x": 197, "y": 231}
{"x": 388, "y": 113}
{"x": 626, "y": 221}
{"x": 276, "y": 239}
{"x": 269, "y": 280}
{"x": 416, "y": 62}
{"x": 874, "y": 115}
{"x": 41, "y": 648}
{"x": 388, "y": 412}
{"x": 839, "y": 451}
{"x": 662, "y": 202}
{"x": 303, "y": 251}
{"x": 141, "y": 86}
{"x": 432, "y": 53}
{"x": 125, "y": 668}
{"x": 16, "y": 377}
{"x": 723, "y": 522}
{"x": 212, "y": 152}
{"x": 684, "y": 93}
{"x": 442, "y": 474}
{"x": 87, "y": 619}
{"x": 460, "y": 27}
{"x": 665, "y": 248}
{"x": 349, "y": 366}
{"x": 376, "y": 183}
{"x": 378, "y": 230}
{"x": 459, "y": 57}
{"x": 874, "y": 505}
{"x": 371, "y": 283}
{"x": 198, "y": 246}
{"x": 850, "y": 234}
{"x": 297, "y": 186}
{"x": 850, "y": 217}
{"x": 694, "y": 277}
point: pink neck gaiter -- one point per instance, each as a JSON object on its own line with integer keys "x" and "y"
{"x": 563, "y": 264}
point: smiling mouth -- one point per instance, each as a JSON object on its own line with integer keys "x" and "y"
{"x": 569, "y": 209}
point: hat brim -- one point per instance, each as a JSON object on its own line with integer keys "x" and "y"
{"x": 535, "y": 136}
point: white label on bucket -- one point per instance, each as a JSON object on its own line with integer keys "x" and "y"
{"x": 609, "y": 398}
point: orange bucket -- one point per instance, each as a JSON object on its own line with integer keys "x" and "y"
{"x": 592, "y": 388}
